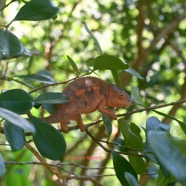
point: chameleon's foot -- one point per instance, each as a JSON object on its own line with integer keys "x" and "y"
{"x": 64, "y": 127}
{"x": 82, "y": 128}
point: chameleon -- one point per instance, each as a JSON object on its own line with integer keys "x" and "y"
{"x": 87, "y": 94}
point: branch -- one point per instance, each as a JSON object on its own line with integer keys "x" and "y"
{"x": 118, "y": 115}
{"x": 44, "y": 163}
{"x": 108, "y": 150}
{"x": 60, "y": 83}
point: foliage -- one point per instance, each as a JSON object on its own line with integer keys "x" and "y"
{"x": 139, "y": 46}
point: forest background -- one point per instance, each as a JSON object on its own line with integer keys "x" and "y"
{"x": 137, "y": 44}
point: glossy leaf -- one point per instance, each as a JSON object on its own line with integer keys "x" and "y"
{"x": 10, "y": 45}
{"x": 73, "y": 65}
{"x": 182, "y": 124}
{"x": 135, "y": 96}
{"x": 14, "y": 135}
{"x": 42, "y": 76}
{"x": 109, "y": 62}
{"x": 170, "y": 153}
{"x": 131, "y": 179}
{"x": 152, "y": 124}
{"x": 121, "y": 167}
{"x": 36, "y": 10}
{"x": 16, "y": 120}
{"x": 52, "y": 98}
{"x": 2, "y": 167}
{"x": 16, "y": 100}
{"x": 48, "y": 140}
{"x": 49, "y": 100}
{"x": 131, "y": 139}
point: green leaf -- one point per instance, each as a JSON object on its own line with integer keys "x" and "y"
{"x": 109, "y": 62}
{"x": 170, "y": 153}
{"x": 36, "y": 10}
{"x": 10, "y": 45}
{"x": 152, "y": 124}
{"x": 14, "y": 135}
{"x": 182, "y": 125}
{"x": 16, "y": 100}
{"x": 51, "y": 98}
{"x": 49, "y": 141}
{"x": 73, "y": 65}
{"x": 121, "y": 167}
{"x": 134, "y": 73}
{"x": 135, "y": 129}
{"x": 131, "y": 139}
{"x": 42, "y": 76}
{"x": 107, "y": 123}
{"x": 2, "y": 167}
{"x": 16, "y": 120}
{"x": 135, "y": 96}
{"x": 138, "y": 163}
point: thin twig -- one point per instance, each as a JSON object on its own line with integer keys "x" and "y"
{"x": 44, "y": 163}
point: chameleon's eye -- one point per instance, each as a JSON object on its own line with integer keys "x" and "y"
{"x": 121, "y": 95}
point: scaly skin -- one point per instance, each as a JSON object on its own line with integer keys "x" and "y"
{"x": 86, "y": 95}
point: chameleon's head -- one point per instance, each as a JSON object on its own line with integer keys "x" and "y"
{"x": 117, "y": 97}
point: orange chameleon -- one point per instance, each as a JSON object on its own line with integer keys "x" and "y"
{"x": 86, "y": 95}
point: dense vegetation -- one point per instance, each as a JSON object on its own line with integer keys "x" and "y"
{"x": 137, "y": 44}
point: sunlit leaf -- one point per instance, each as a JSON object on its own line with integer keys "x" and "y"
{"x": 73, "y": 65}
{"x": 131, "y": 139}
{"x": 135, "y": 96}
{"x": 14, "y": 135}
{"x": 36, "y": 10}
{"x": 10, "y": 45}
{"x": 48, "y": 140}
{"x": 109, "y": 62}
{"x": 121, "y": 167}
{"x": 134, "y": 73}
{"x": 16, "y": 120}
{"x": 16, "y": 100}
{"x": 137, "y": 162}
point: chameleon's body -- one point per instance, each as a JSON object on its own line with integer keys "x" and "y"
{"x": 86, "y": 95}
